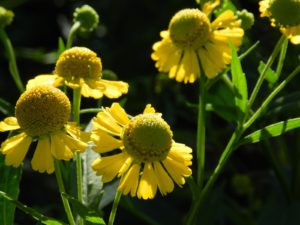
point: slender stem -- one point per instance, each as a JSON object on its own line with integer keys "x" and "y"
{"x": 270, "y": 97}
{"x": 219, "y": 168}
{"x": 201, "y": 131}
{"x": 76, "y": 118}
{"x": 114, "y": 208}
{"x": 13, "y": 68}
{"x": 263, "y": 73}
{"x": 91, "y": 110}
{"x": 72, "y": 33}
{"x": 281, "y": 57}
{"x": 61, "y": 188}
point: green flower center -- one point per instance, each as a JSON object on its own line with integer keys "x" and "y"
{"x": 285, "y": 12}
{"x": 147, "y": 138}
{"x": 42, "y": 110}
{"x": 189, "y": 28}
{"x": 79, "y": 62}
{"x": 87, "y": 17}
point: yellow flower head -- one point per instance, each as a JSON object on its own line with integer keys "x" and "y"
{"x": 193, "y": 43}
{"x": 148, "y": 159}
{"x": 79, "y": 67}
{"x": 42, "y": 113}
{"x": 285, "y": 14}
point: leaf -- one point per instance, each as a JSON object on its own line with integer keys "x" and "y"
{"x": 34, "y": 213}
{"x": 272, "y": 130}
{"x": 5, "y": 107}
{"x": 61, "y": 46}
{"x": 90, "y": 216}
{"x": 91, "y": 183}
{"x": 240, "y": 84}
{"x": 270, "y": 75}
{"x": 10, "y": 179}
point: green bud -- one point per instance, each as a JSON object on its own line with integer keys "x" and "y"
{"x": 247, "y": 19}
{"x": 87, "y": 17}
{"x": 6, "y": 17}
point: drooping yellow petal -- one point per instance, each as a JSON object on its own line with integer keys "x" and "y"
{"x": 73, "y": 82}
{"x": 125, "y": 166}
{"x": 15, "y": 148}
{"x": 104, "y": 142}
{"x": 9, "y": 123}
{"x": 118, "y": 113}
{"x": 43, "y": 160}
{"x": 89, "y": 88}
{"x": 179, "y": 155}
{"x": 46, "y": 79}
{"x": 114, "y": 89}
{"x": 130, "y": 180}
{"x": 73, "y": 143}
{"x": 188, "y": 70}
{"x": 177, "y": 170}
{"x": 208, "y": 7}
{"x": 73, "y": 130}
{"x": 235, "y": 35}
{"x": 165, "y": 183}
{"x": 293, "y": 33}
{"x": 109, "y": 166}
{"x": 149, "y": 109}
{"x": 207, "y": 65}
{"x": 59, "y": 149}
{"x": 148, "y": 183}
{"x": 106, "y": 123}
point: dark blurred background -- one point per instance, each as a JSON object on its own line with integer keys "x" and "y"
{"x": 124, "y": 40}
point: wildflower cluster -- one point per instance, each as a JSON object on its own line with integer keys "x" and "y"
{"x": 140, "y": 151}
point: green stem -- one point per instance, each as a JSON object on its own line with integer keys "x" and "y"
{"x": 76, "y": 118}
{"x": 281, "y": 57}
{"x": 91, "y": 110}
{"x": 13, "y": 68}
{"x": 270, "y": 97}
{"x": 219, "y": 168}
{"x": 263, "y": 73}
{"x": 201, "y": 131}
{"x": 114, "y": 208}
{"x": 61, "y": 188}
{"x": 72, "y": 33}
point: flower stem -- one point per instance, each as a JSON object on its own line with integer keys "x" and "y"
{"x": 72, "y": 33}
{"x": 12, "y": 60}
{"x": 76, "y": 118}
{"x": 114, "y": 208}
{"x": 61, "y": 188}
{"x": 201, "y": 131}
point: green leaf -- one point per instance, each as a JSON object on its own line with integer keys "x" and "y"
{"x": 10, "y": 179}
{"x": 34, "y": 213}
{"x": 240, "y": 84}
{"x": 61, "y": 46}
{"x": 90, "y": 216}
{"x": 270, "y": 75}
{"x": 272, "y": 130}
{"x": 5, "y": 107}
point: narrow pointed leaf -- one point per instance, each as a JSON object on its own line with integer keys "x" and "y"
{"x": 272, "y": 130}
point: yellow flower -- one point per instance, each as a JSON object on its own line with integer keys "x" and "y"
{"x": 42, "y": 113}
{"x": 192, "y": 42}
{"x": 285, "y": 14}
{"x": 148, "y": 158}
{"x": 79, "y": 67}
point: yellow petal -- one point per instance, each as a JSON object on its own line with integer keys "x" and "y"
{"x": 235, "y": 35}
{"x": 188, "y": 70}
{"x": 15, "y": 148}
{"x": 73, "y": 82}
{"x": 46, "y": 79}
{"x": 208, "y": 67}
{"x": 125, "y": 166}
{"x": 208, "y": 7}
{"x": 148, "y": 183}
{"x": 293, "y": 33}
{"x": 109, "y": 166}
{"x": 9, "y": 123}
{"x": 181, "y": 153}
{"x": 42, "y": 160}
{"x": 73, "y": 143}
{"x": 59, "y": 149}
{"x": 106, "y": 122}
{"x": 90, "y": 89}
{"x": 130, "y": 181}
{"x": 114, "y": 89}
{"x": 149, "y": 109}
{"x": 104, "y": 142}
{"x": 165, "y": 183}
{"x": 226, "y": 20}
{"x": 76, "y": 133}
{"x": 118, "y": 113}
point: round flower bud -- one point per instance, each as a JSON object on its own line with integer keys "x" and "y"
{"x": 6, "y": 17}
{"x": 87, "y": 17}
{"x": 189, "y": 28}
{"x": 147, "y": 137}
{"x": 42, "y": 110}
{"x": 285, "y": 12}
{"x": 247, "y": 19}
